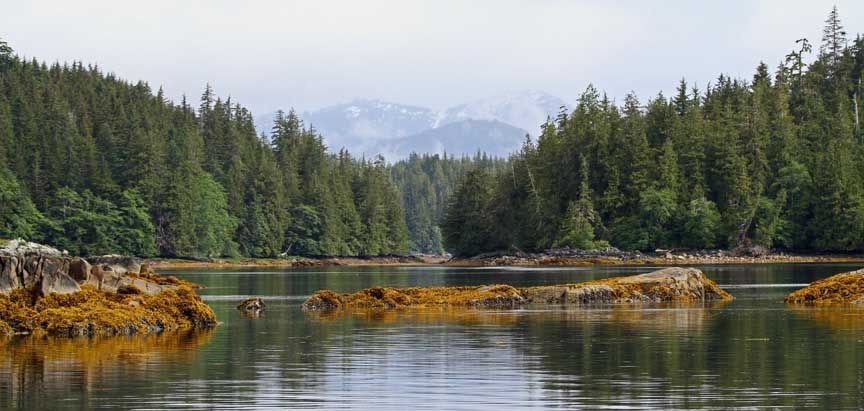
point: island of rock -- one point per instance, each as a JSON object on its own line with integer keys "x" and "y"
{"x": 843, "y": 288}
{"x": 684, "y": 285}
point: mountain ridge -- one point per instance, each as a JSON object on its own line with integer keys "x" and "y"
{"x": 372, "y": 126}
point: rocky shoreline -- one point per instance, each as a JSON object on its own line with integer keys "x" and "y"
{"x": 613, "y": 256}
{"x": 45, "y": 292}
{"x": 551, "y": 258}
{"x": 165, "y": 263}
{"x": 670, "y": 285}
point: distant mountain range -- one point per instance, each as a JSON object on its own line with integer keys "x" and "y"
{"x": 496, "y": 125}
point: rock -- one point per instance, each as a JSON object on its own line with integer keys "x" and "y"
{"x": 54, "y": 278}
{"x": 9, "y": 274}
{"x": 147, "y": 287}
{"x": 79, "y": 269}
{"x": 120, "y": 264}
{"x": 685, "y": 285}
{"x": 843, "y": 288}
{"x": 20, "y": 247}
{"x": 252, "y": 307}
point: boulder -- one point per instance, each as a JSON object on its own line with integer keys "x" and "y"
{"x": 252, "y": 307}
{"x": 843, "y": 288}
{"x": 59, "y": 283}
{"x": 9, "y": 273}
{"x": 79, "y": 269}
{"x": 120, "y": 264}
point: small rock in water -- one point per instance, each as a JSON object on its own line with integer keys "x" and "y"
{"x": 252, "y": 306}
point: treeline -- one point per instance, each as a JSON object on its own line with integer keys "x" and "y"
{"x": 95, "y": 165}
{"x": 774, "y": 162}
{"x": 426, "y": 182}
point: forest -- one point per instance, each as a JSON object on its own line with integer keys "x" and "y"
{"x": 773, "y": 162}
{"x": 95, "y": 164}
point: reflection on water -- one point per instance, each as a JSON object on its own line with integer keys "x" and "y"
{"x": 751, "y": 352}
{"x": 76, "y": 367}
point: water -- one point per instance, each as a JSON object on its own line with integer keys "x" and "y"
{"x": 753, "y": 352}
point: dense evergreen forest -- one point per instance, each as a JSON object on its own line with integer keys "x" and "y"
{"x": 93, "y": 164}
{"x": 426, "y": 183}
{"x": 774, "y": 162}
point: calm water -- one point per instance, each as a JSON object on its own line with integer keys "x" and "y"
{"x": 751, "y": 353}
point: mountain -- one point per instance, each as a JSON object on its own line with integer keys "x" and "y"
{"x": 496, "y": 125}
{"x": 527, "y": 110}
{"x": 459, "y": 138}
{"x": 362, "y": 124}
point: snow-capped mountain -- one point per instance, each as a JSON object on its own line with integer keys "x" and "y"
{"x": 464, "y": 137}
{"x": 360, "y": 124}
{"x": 496, "y": 125}
{"x": 527, "y": 110}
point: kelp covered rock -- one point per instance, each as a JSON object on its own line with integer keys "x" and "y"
{"x": 92, "y": 312}
{"x": 252, "y": 307}
{"x": 44, "y": 291}
{"x": 843, "y": 288}
{"x": 685, "y": 285}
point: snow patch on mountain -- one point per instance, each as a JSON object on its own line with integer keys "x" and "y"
{"x": 496, "y": 125}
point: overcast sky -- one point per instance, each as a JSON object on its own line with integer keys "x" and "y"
{"x": 312, "y": 53}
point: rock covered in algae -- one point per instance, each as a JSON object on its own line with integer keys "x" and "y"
{"x": 843, "y": 288}
{"x": 252, "y": 307}
{"x": 687, "y": 285}
{"x": 44, "y": 291}
{"x": 92, "y": 312}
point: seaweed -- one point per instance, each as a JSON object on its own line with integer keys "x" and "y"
{"x": 843, "y": 288}
{"x": 669, "y": 285}
{"x": 92, "y": 312}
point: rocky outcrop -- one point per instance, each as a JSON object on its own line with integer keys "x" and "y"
{"x": 45, "y": 291}
{"x": 45, "y": 270}
{"x": 843, "y": 288}
{"x": 681, "y": 285}
{"x": 35, "y": 268}
{"x": 668, "y": 285}
{"x": 252, "y": 307}
{"x": 119, "y": 264}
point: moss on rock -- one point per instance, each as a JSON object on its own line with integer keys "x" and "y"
{"x": 92, "y": 312}
{"x": 682, "y": 285}
{"x": 843, "y": 288}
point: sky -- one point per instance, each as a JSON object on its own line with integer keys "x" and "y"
{"x": 436, "y": 53}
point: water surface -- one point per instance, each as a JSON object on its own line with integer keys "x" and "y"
{"x": 752, "y": 352}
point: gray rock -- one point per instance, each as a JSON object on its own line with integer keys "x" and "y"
{"x": 79, "y": 269}
{"x": 9, "y": 274}
{"x": 120, "y": 264}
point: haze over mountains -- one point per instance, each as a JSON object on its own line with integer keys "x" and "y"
{"x": 496, "y": 125}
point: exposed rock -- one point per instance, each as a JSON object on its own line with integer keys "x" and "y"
{"x": 9, "y": 279}
{"x": 668, "y": 285}
{"x": 252, "y": 307}
{"x": 843, "y": 288}
{"x": 44, "y": 291}
{"x": 20, "y": 247}
{"x": 79, "y": 269}
{"x": 120, "y": 264}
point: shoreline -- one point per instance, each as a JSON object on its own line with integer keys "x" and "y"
{"x": 544, "y": 261}
{"x": 172, "y": 264}
{"x": 555, "y": 261}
